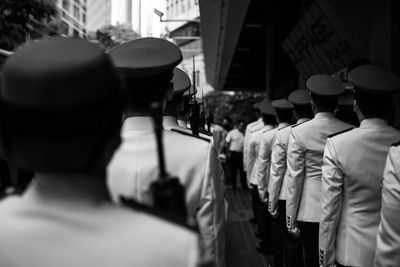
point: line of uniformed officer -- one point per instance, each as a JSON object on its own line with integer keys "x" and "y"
{"x": 324, "y": 175}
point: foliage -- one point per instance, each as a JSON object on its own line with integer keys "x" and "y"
{"x": 23, "y": 18}
{"x": 113, "y": 35}
{"x": 236, "y": 106}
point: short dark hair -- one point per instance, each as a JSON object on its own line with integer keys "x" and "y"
{"x": 303, "y": 111}
{"x": 373, "y": 105}
{"x": 269, "y": 119}
{"x": 284, "y": 115}
{"x": 144, "y": 90}
{"x": 325, "y": 103}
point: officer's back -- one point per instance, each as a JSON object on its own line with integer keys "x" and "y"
{"x": 194, "y": 161}
{"x": 61, "y": 110}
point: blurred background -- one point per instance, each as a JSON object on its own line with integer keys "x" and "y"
{"x": 237, "y": 52}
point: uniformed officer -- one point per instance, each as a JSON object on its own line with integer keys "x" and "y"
{"x": 176, "y": 103}
{"x": 283, "y": 110}
{"x": 352, "y": 172}
{"x": 181, "y": 84}
{"x": 255, "y": 125}
{"x": 255, "y": 143}
{"x": 144, "y": 64}
{"x": 304, "y": 157}
{"x": 279, "y": 175}
{"x": 388, "y": 245}
{"x": 61, "y": 108}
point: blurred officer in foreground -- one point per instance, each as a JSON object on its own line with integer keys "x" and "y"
{"x": 352, "y": 171}
{"x": 61, "y": 116}
{"x": 255, "y": 144}
{"x": 304, "y": 156}
{"x": 261, "y": 172}
{"x": 292, "y": 249}
{"x": 194, "y": 161}
{"x": 388, "y": 244}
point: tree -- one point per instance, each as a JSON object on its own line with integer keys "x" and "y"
{"x": 112, "y": 35}
{"x": 22, "y": 19}
{"x": 236, "y": 106}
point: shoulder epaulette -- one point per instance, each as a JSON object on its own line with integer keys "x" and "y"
{"x": 188, "y": 134}
{"x": 255, "y": 130}
{"x": 206, "y": 133}
{"x": 297, "y": 124}
{"x": 284, "y": 127}
{"x": 267, "y": 130}
{"x": 396, "y": 144}
{"x": 174, "y": 219}
{"x": 340, "y": 132}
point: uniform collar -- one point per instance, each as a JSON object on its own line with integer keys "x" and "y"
{"x": 301, "y": 120}
{"x": 323, "y": 115}
{"x": 140, "y": 123}
{"x": 170, "y": 121}
{"x": 283, "y": 125}
{"x": 373, "y": 122}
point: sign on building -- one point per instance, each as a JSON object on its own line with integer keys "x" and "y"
{"x": 319, "y": 43}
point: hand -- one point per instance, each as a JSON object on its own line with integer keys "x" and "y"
{"x": 274, "y": 213}
{"x": 294, "y": 231}
{"x": 260, "y": 195}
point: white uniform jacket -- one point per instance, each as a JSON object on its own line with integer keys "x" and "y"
{"x": 304, "y": 159}
{"x": 351, "y": 193}
{"x": 256, "y": 137}
{"x": 388, "y": 242}
{"x": 261, "y": 170}
{"x": 194, "y": 161}
{"x": 258, "y": 124}
{"x": 38, "y": 229}
{"x": 278, "y": 171}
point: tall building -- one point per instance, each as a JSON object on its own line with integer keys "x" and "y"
{"x": 184, "y": 30}
{"x": 121, "y": 12}
{"x": 139, "y": 14}
{"x": 73, "y": 14}
{"x": 98, "y": 14}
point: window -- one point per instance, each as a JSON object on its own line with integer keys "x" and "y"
{"x": 197, "y": 75}
{"x": 65, "y": 4}
{"x": 64, "y": 28}
{"x": 84, "y": 18}
{"x": 183, "y": 6}
{"x": 189, "y": 4}
{"x": 76, "y": 12}
{"x": 196, "y": 2}
{"x": 176, "y": 7}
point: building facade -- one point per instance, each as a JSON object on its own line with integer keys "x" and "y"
{"x": 184, "y": 30}
{"x": 98, "y": 14}
{"x": 73, "y": 15}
